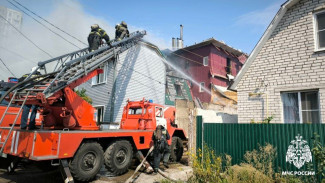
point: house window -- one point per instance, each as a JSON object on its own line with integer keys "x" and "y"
{"x": 201, "y": 87}
{"x": 205, "y": 61}
{"x": 319, "y": 28}
{"x": 99, "y": 113}
{"x": 178, "y": 89}
{"x": 228, "y": 68}
{"x": 100, "y": 78}
{"x": 301, "y": 107}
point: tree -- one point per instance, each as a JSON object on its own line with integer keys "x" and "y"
{"x": 83, "y": 95}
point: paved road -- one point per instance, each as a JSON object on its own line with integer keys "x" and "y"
{"x": 26, "y": 173}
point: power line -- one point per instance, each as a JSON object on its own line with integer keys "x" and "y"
{"x": 50, "y": 23}
{"x": 17, "y": 54}
{"x": 44, "y": 25}
{"x": 7, "y": 67}
{"x": 26, "y": 36}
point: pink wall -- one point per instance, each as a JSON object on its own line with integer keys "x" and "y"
{"x": 217, "y": 66}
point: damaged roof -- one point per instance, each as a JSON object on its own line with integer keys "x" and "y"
{"x": 216, "y": 43}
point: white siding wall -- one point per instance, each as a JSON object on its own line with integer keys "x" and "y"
{"x": 135, "y": 70}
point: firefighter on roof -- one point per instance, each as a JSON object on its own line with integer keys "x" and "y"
{"x": 95, "y": 37}
{"x": 121, "y": 31}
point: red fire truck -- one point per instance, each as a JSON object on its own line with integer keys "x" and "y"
{"x": 69, "y": 133}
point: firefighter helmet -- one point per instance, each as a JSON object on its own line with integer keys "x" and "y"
{"x": 124, "y": 24}
{"x": 94, "y": 27}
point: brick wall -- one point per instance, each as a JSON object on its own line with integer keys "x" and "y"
{"x": 287, "y": 62}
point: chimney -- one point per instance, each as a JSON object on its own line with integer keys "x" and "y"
{"x": 181, "y": 36}
{"x": 177, "y": 43}
{"x": 173, "y": 43}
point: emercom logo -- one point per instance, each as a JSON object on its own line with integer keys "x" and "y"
{"x": 298, "y": 152}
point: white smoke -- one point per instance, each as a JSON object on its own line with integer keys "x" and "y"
{"x": 67, "y": 15}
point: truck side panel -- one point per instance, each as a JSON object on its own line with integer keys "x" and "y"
{"x": 70, "y": 141}
{"x": 46, "y": 145}
{"x": 19, "y": 143}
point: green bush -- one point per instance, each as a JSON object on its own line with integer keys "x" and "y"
{"x": 83, "y": 95}
{"x": 258, "y": 167}
{"x": 207, "y": 167}
{"x": 246, "y": 173}
{"x": 262, "y": 159}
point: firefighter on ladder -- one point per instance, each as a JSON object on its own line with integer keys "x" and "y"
{"x": 96, "y": 36}
{"x": 121, "y": 31}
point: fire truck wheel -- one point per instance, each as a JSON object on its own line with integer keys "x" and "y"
{"x": 118, "y": 157}
{"x": 87, "y": 161}
{"x": 176, "y": 149}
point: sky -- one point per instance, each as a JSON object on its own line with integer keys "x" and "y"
{"x": 239, "y": 23}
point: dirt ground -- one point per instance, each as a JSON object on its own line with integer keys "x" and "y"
{"x": 30, "y": 173}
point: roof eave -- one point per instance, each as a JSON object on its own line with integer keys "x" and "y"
{"x": 262, "y": 41}
{"x": 215, "y": 43}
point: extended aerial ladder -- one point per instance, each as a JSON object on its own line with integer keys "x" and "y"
{"x": 60, "y": 76}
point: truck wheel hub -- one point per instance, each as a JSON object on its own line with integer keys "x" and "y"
{"x": 89, "y": 161}
{"x": 121, "y": 156}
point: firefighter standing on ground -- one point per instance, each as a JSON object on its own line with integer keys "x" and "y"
{"x": 161, "y": 149}
{"x": 95, "y": 37}
{"x": 121, "y": 31}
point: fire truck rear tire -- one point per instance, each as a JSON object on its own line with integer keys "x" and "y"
{"x": 118, "y": 157}
{"x": 176, "y": 149}
{"x": 87, "y": 161}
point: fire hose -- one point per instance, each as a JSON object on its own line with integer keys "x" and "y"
{"x": 131, "y": 179}
{"x": 139, "y": 166}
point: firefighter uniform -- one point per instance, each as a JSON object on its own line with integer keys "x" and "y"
{"x": 28, "y": 108}
{"x": 121, "y": 31}
{"x": 161, "y": 148}
{"x": 95, "y": 37}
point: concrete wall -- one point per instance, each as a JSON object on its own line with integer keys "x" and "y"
{"x": 287, "y": 62}
{"x": 185, "y": 119}
{"x": 211, "y": 116}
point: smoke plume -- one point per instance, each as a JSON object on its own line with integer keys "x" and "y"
{"x": 20, "y": 55}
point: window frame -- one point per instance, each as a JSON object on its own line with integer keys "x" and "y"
{"x": 201, "y": 90}
{"x": 300, "y": 106}
{"x": 178, "y": 89}
{"x": 95, "y": 78}
{"x": 206, "y": 59}
{"x": 228, "y": 68}
{"x": 161, "y": 112}
{"x": 102, "y": 116}
{"x": 316, "y": 37}
{"x": 133, "y": 108}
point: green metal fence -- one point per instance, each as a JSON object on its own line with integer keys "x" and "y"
{"x": 236, "y": 139}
